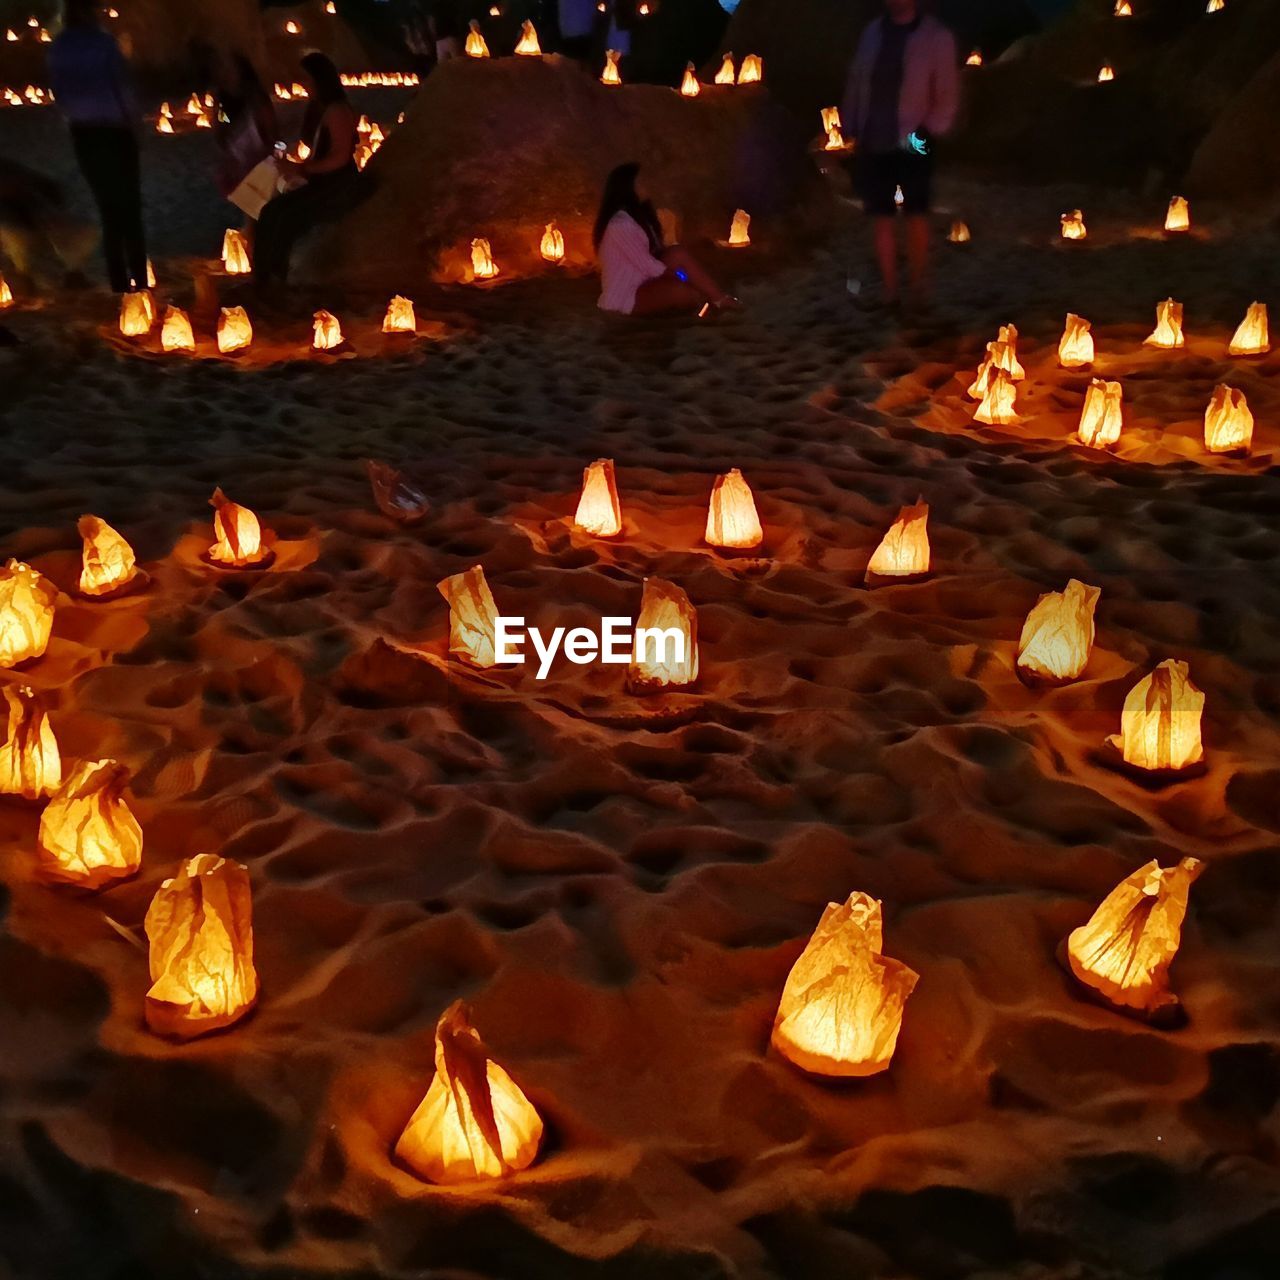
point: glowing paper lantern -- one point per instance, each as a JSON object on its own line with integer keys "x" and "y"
{"x": 483, "y": 266}
{"x": 732, "y": 520}
{"x": 1057, "y": 636}
{"x": 528, "y": 45}
{"x": 235, "y": 253}
{"x": 903, "y": 551}
{"x": 1160, "y": 722}
{"x": 1101, "y": 419}
{"x": 959, "y": 233}
{"x": 200, "y": 927}
{"x": 752, "y": 70}
{"x": 689, "y": 86}
{"x": 1006, "y": 352}
{"x": 326, "y": 332}
{"x": 1178, "y": 217}
{"x": 994, "y": 359}
{"x": 6, "y": 294}
{"x": 974, "y": 59}
{"x": 238, "y": 540}
{"x": 740, "y": 230}
{"x": 667, "y": 656}
{"x": 88, "y": 834}
{"x": 151, "y": 275}
{"x": 1123, "y": 9}
{"x": 137, "y": 314}
{"x": 1253, "y": 337}
{"x": 1075, "y": 351}
{"x": 835, "y": 140}
{"x": 194, "y": 106}
{"x": 400, "y": 317}
{"x": 726, "y": 74}
{"x": 1073, "y": 227}
{"x": 1215, "y": 6}
{"x": 841, "y": 1008}
{"x": 292, "y": 28}
{"x": 610, "y": 74}
{"x": 472, "y": 617}
{"x": 1228, "y": 423}
{"x": 552, "y": 244}
{"x": 175, "y": 333}
{"x": 235, "y": 333}
{"x": 599, "y": 512}
{"x": 108, "y": 564}
{"x": 1168, "y": 330}
{"x": 999, "y": 404}
{"x": 1106, "y": 73}
{"x": 475, "y": 46}
{"x": 1125, "y": 950}
{"x": 475, "y": 1121}
{"x": 30, "y": 763}
{"x": 26, "y": 613}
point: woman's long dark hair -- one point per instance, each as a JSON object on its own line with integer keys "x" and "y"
{"x": 619, "y": 196}
{"x": 324, "y": 75}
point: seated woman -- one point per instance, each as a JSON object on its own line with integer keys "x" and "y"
{"x": 331, "y": 183}
{"x": 638, "y": 273}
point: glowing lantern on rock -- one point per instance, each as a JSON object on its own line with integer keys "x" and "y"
{"x": 200, "y": 927}
{"x": 88, "y": 834}
{"x": 999, "y": 407}
{"x": 326, "y": 332}
{"x": 1125, "y": 950}
{"x": 726, "y": 74}
{"x": 472, "y": 617}
{"x": 835, "y": 139}
{"x": 1178, "y": 217}
{"x": 841, "y": 1007}
{"x": 400, "y": 317}
{"x": 552, "y": 245}
{"x": 292, "y": 28}
{"x": 483, "y": 266}
{"x": 610, "y": 74}
{"x": 1160, "y": 722}
{"x": 1123, "y": 9}
{"x": 30, "y": 763}
{"x": 237, "y": 535}
{"x": 740, "y": 230}
{"x": 235, "y": 333}
{"x": 108, "y": 564}
{"x": 1253, "y": 337}
{"x": 959, "y": 233}
{"x": 666, "y": 640}
{"x": 1057, "y": 636}
{"x": 476, "y": 46}
{"x": 194, "y": 106}
{"x": 475, "y": 1121}
{"x": 599, "y": 512}
{"x": 1106, "y": 73}
{"x": 1076, "y": 347}
{"x": 903, "y": 551}
{"x": 6, "y": 294}
{"x": 1228, "y": 423}
{"x": 235, "y": 253}
{"x": 137, "y": 314}
{"x": 689, "y": 85}
{"x": 1168, "y": 331}
{"x": 26, "y": 613}
{"x": 1073, "y": 227}
{"x": 752, "y": 70}
{"x": 732, "y": 520}
{"x": 175, "y": 333}
{"x": 528, "y": 45}
{"x": 1215, "y": 6}
{"x": 164, "y": 124}
{"x": 1101, "y": 419}
{"x": 974, "y": 59}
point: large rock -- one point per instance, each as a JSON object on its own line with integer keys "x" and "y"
{"x": 497, "y": 148}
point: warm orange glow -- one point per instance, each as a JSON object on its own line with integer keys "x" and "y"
{"x": 752, "y": 70}
{"x": 528, "y": 43}
{"x": 200, "y": 927}
{"x": 6, "y": 294}
{"x": 330, "y": 8}
{"x": 151, "y": 275}
{"x": 689, "y": 85}
{"x": 999, "y": 407}
{"x": 204, "y": 121}
{"x": 1168, "y": 330}
{"x": 30, "y": 763}
{"x": 1253, "y": 337}
{"x": 1215, "y": 6}
{"x": 599, "y": 512}
{"x": 238, "y": 539}
{"x": 88, "y": 834}
{"x": 740, "y": 230}
{"x": 476, "y": 46}
{"x": 991, "y": 361}
{"x": 830, "y": 118}
{"x": 326, "y": 332}
{"x": 400, "y": 317}
{"x": 472, "y": 617}
{"x": 475, "y": 1121}
{"x": 1228, "y": 423}
{"x": 1123, "y": 9}
{"x": 1057, "y": 636}
{"x": 235, "y": 333}
{"x": 665, "y": 654}
{"x": 1073, "y": 227}
{"x": 959, "y": 233}
{"x": 1160, "y": 722}
{"x": 1178, "y": 217}
{"x": 611, "y": 74}
{"x": 483, "y": 266}
{"x": 194, "y": 106}
{"x": 903, "y": 551}
{"x": 841, "y": 1008}
{"x": 235, "y": 253}
{"x": 732, "y": 520}
{"x": 1006, "y": 352}
{"x": 1125, "y": 950}
{"x": 107, "y": 560}
{"x": 1101, "y": 418}
{"x": 26, "y": 613}
{"x": 726, "y": 74}
{"x": 1107, "y": 73}
{"x": 974, "y": 59}
{"x": 835, "y": 140}
{"x": 137, "y": 314}
{"x": 175, "y": 333}
{"x": 292, "y": 28}
{"x": 1075, "y": 351}
{"x": 552, "y": 245}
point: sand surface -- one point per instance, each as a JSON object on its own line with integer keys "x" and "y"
{"x": 620, "y": 885}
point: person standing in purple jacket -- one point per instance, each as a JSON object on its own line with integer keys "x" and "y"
{"x": 90, "y": 84}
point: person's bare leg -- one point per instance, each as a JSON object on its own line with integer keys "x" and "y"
{"x": 666, "y": 293}
{"x": 886, "y": 235}
{"x": 918, "y": 255}
{"x": 678, "y": 258}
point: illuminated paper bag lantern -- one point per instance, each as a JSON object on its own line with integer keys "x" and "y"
{"x": 1106, "y": 74}
{"x": 30, "y": 763}
{"x": 475, "y": 1121}
{"x": 151, "y": 275}
{"x": 1228, "y": 423}
{"x": 237, "y": 535}
{"x": 830, "y": 118}
{"x": 1123, "y": 9}
{"x": 400, "y": 316}
{"x": 528, "y": 44}
{"x": 137, "y": 314}
{"x": 599, "y": 512}
{"x": 26, "y": 613}
{"x": 1102, "y": 417}
{"x": 666, "y": 655}
{"x": 689, "y": 86}
{"x": 235, "y": 253}
{"x": 6, "y": 294}
{"x": 194, "y": 106}
{"x": 740, "y": 230}
{"x": 959, "y": 233}
{"x": 611, "y": 74}
{"x": 1125, "y": 950}
{"x": 1160, "y": 721}
{"x": 752, "y": 70}
{"x": 974, "y": 59}
{"x": 108, "y": 564}
{"x": 835, "y": 139}
{"x": 903, "y": 551}
{"x": 726, "y": 74}
{"x": 1168, "y": 330}
{"x": 475, "y": 46}
{"x": 732, "y": 520}
{"x": 175, "y": 333}
{"x": 1073, "y": 227}
{"x": 200, "y": 927}
{"x": 483, "y": 266}
{"x": 1057, "y": 636}
{"x": 1006, "y": 353}
{"x": 999, "y": 407}
{"x": 235, "y": 332}
{"x": 1253, "y": 337}
{"x": 552, "y": 245}
{"x": 993, "y": 360}
{"x": 1075, "y": 350}
{"x": 1213, "y": 6}
{"x": 473, "y": 617}
{"x": 326, "y": 332}
{"x": 841, "y": 1008}
{"x": 88, "y": 834}
{"x": 1178, "y": 217}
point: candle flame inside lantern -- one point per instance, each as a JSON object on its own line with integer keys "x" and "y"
{"x": 88, "y": 834}
{"x": 835, "y": 140}
{"x": 472, "y": 617}
{"x": 1102, "y": 418}
{"x": 1178, "y": 218}
{"x": 1057, "y": 636}
{"x": 137, "y": 314}
{"x": 1228, "y": 422}
{"x": 476, "y": 46}
{"x": 175, "y": 333}
{"x": 200, "y": 927}
{"x": 400, "y": 316}
{"x": 235, "y": 253}
{"x": 237, "y": 534}
{"x": 666, "y": 640}
{"x": 30, "y": 763}
{"x": 740, "y": 229}
{"x": 483, "y": 266}
{"x": 959, "y": 233}
{"x": 903, "y": 551}
{"x": 1168, "y": 331}
{"x": 841, "y": 1008}
{"x": 235, "y": 332}
{"x": 475, "y": 1121}
{"x": 689, "y": 85}
{"x": 726, "y": 73}
{"x": 326, "y": 331}
{"x": 1253, "y": 337}
{"x": 1125, "y": 950}
{"x": 1160, "y": 722}
{"x": 1073, "y": 227}
{"x": 1006, "y": 356}
{"x": 974, "y": 59}
{"x": 107, "y": 562}
{"x": 1075, "y": 350}
{"x": 1123, "y": 9}
{"x": 999, "y": 407}
{"x": 1106, "y": 73}
{"x": 611, "y": 74}
{"x": 26, "y": 613}
{"x": 528, "y": 44}
{"x": 552, "y": 244}
{"x": 752, "y": 69}
{"x": 732, "y": 520}
{"x": 599, "y": 511}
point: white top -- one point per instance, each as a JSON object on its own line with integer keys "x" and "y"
{"x": 626, "y": 262}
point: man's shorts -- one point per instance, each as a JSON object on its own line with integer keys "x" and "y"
{"x": 876, "y": 178}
